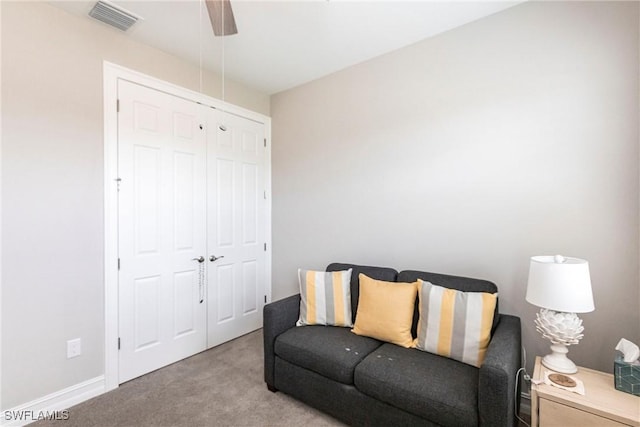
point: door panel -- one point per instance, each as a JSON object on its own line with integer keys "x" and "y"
{"x": 162, "y": 228}
{"x": 249, "y": 286}
{"x": 183, "y": 296}
{"x": 236, "y": 218}
{"x": 147, "y": 191}
{"x": 184, "y": 165}
{"x": 225, "y": 295}
{"x": 249, "y": 204}
{"x": 147, "y": 303}
{"x": 223, "y": 192}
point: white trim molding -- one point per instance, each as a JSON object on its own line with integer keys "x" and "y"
{"x": 1, "y": 222}
{"x": 53, "y": 406}
{"x": 112, "y": 74}
{"x": 110, "y": 227}
{"x": 268, "y": 236}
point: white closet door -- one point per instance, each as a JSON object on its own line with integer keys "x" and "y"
{"x": 236, "y": 226}
{"x": 162, "y": 228}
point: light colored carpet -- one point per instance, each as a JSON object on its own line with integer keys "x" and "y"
{"x": 223, "y": 386}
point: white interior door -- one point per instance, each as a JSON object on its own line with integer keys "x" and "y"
{"x": 236, "y": 225}
{"x": 162, "y": 228}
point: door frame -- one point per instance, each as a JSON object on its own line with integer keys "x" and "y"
{"x": 111, "y": 74}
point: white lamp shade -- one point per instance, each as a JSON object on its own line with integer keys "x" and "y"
{"x": 560, "y": 286}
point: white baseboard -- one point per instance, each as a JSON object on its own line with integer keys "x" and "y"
{"x": 54, "y": 405}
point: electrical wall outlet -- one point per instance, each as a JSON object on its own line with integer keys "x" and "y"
{"x": 74, "y": 348}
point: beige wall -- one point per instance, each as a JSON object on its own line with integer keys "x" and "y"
{"x": 52, "y": 181}
{"x": 467, "y": 153}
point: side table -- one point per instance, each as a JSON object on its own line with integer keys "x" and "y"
{"x": 601, "y": 406}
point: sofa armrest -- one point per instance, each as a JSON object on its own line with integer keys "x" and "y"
{"x": 496, "y": 389}
{"x": 279, "y": 316}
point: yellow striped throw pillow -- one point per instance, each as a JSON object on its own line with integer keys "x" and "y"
{"x": 325, "y": 298}
{"x": 455, "y": 324}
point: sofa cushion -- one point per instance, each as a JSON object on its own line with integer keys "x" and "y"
{"x": 385, "y": 310}
{"x": 378, "y": 273}
{"x": 442, "y": 390}
{"x": 327, "y": 350}
{"x": 465, "y": 284}
{"x": 455, "y": 324}
{"x": 325, "y": 298}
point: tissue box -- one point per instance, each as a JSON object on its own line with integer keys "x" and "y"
{"x": 627, "y": 376}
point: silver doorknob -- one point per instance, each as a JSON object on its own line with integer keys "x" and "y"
{"x": 199, "y": 259}
{"x": 213, "y": 258}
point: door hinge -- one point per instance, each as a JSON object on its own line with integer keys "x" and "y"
{"x": 265, "y": 247}
{"x": 118, "y": 263}
{"x": 117, "y": 106}
{"x": 265, "y": 143}
{"x": 265, "y": 194}
{"x": 118, "y": 343}
{"x": 265, "y": 299}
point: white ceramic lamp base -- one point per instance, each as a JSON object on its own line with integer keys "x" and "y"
{"x": 558, "y": 361}
{"x": 562, "y": 329}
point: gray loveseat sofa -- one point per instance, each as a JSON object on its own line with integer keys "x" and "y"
{"x": 363, "y": 381}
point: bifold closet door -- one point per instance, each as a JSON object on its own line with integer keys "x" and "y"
{"x": 162, "y": 229}
{"x": 236, "y": 225}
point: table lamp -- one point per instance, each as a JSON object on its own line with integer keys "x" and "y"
{"x": 561, "y": 287}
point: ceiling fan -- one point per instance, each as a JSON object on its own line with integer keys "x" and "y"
{"x": 221, "y": 16}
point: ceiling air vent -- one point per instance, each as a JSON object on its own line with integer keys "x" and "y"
{"x": 113, "y": 15}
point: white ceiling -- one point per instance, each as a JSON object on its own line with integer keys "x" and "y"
{"x": 282, "y": 44}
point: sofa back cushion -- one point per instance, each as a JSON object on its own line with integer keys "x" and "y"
{"x": 378, "y": 273}
{"x": 465, "y": 284}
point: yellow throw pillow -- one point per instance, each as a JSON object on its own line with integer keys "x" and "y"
{"x": 385, "y": 310}
{"x": 455, "y": 324}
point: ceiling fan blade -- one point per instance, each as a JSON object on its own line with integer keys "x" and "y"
{"x": 221, "y": 16}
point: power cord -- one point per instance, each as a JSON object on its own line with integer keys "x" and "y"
{"x": 527, "y": 378}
